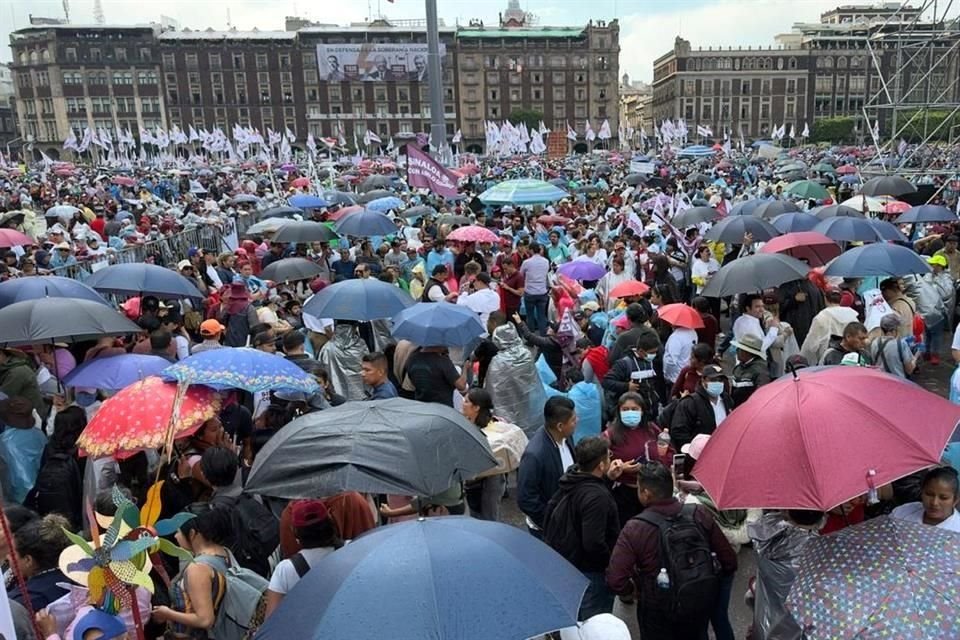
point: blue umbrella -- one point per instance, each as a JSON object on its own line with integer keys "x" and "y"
{"x": 425, "y": 576}
{"x": 360, "y": 299}
{"x": 438, "y": 324}
{"x": 732, "y": 229}
{"x": 281, "y": 212}
{"x": 879, "y": 259}
{"x": 836, "y": 210}
{"x": 522, "y": 191}
{"x": 241, "y": 368}
{"x": 846, "y": 229}
{"x": 307, "y": 201}
{"x": 139, "y": 278}
{"x": 339, "y": 197}
{"x": 745, "y": 208}
{"x": 887, "y": 230}
{"x": 927, "y": 213}
{"x": 382, "y": 205}
{"x": 795, "y": 221}
{"x": 20, "y": 289}
{"x": 365, "y": 223}
{"x": 113, "y": 373}
{"x": 582, "y": 270}
{"x": 850, "y": 179}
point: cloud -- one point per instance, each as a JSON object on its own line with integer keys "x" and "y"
{"x": 644, "y": 37}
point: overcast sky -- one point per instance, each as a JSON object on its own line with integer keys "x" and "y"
{"x": 648, "y": 27}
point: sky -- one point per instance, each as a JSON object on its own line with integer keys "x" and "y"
{"x": 647, "y": 27}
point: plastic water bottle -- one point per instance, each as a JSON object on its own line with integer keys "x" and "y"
{"x": 663, "y": 580}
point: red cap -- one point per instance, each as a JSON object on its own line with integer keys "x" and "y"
{"x": 304, "y": 513}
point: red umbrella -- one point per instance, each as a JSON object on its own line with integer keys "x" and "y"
{"x": 629, "y": 288}
{"x": 124, "y": 181}
{"x": 301, "y": 183}
{"x": 896, "y": 206}
{"x": 13, "y": 238}
{"x": 812, "y": 246}
{"x": 343, "y": 212}
{"x": 473, "y": 233}
{"x": 549, "y": 219}
{"x": 822, "y": 437}
{"x": 681, "y": 315}
{"x": 846, "y": 169}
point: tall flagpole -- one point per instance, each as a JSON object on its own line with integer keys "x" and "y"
{"x": 438, "y": 128}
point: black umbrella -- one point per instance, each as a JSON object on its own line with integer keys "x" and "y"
{"x": 394, "y": 446}
{"x": 927, "y": 213}
{"x": 754, "y": 273}
{"x": 887, "y": 186}
{"x": 452, "y": 219}
{"x": 694, "y": 216}
{"x": 774, "y": 208}
{"x": 291, "y": 270}
{"x": 848, "y": 229}
{"x": 375, "y": 182}
{"x": 732, "y": 229}
{"x": 745, "y": 208}
{"x": 46, "y": 320}
{"x": 587, "y": 188}
{"x": 339, "y": 197}
{"x": 374, "y": 194}
{"x": 305, "y": 231}
{"x": 633, "y": 179}
{"x": 699, "y": 177}
{"x": 283, "y": 211}
{"x": 419, "y": 210}
{"x": 836, "y": 210}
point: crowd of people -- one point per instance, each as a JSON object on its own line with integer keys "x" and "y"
{"x": 620, "y": 502}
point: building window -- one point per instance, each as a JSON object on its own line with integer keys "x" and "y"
{"x": 744, "y": 110}
{"x": 790, "y": 108}
{"x": 95, "y": 55}
{"x": 98, "y": 77}
{"x": 765, "y": 108}
{"x": 122, "y": 77}
{"x": 745, "y": 88}
{"x": 791, "y": 63}
{"x": 121, "y": 54}
{"x": 237, "y": 60}
{"x": 765, "y": 87}
{"x": 261, "y": 61}
{"x": 559, "y": 94}
{"x": 193, "y": 78}
{"x": 195, "y": 97}
{"x": 310, "y": 76}
{"x": 791, "y": 85}
{"x": 147, "y": 77}
{"x": 286, "y": 76}
{"x": 145, "y": 54}
{"x": 537, "y": 93}
{"x": 309, "y": 60}
{"x": 214, "y": 60}
{"x": 536, "y": 77}
{"x": 284, "y": 60}
{"x": 191, "y": 61}
{"x": 70, "y": 53}
{"x": 580, "y": 77}
{"x": 581, "y": 94}
{"x": 491, "y": 62}
{"x": 333, "y": 93}
{"x": 706, "y": 110}
{"x": 559, "y": 111}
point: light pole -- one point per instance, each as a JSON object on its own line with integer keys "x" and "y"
{"x": 438, "y": 127}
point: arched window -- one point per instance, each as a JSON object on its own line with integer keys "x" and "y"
{"x": 828, "y": 62}
{"x": 855, "y": 61}
{"x": 45, "y": 55}
{"x": 23, "y": 57}
{"x": 791, "y": 63}
{"x": 842, "y": 62}
{"x": 768, "y": 63}
{"x": 34, "y": 57}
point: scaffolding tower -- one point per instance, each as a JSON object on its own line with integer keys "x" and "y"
{"x": 917, "y": 60}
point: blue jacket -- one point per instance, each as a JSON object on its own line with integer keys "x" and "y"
{"x": 539, "y": 474}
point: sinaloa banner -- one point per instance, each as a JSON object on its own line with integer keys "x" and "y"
{"x": 373, "y": 62}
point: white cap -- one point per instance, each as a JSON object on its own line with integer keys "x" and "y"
{"x": 603, "y": 626}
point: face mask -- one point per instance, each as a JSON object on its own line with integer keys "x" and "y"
{"x": 630, "y": 417}
{"x": 650, "y": 357}
{"x": 714, "y": 389}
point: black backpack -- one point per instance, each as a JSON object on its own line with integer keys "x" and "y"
{"x": 256, "y": 532}
{"x": 690, "y": 563}
{"x": 58, "y": 488}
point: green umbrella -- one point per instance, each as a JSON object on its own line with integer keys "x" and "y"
{"x": 807, "y": 189}
{"x": 823, "y": 167}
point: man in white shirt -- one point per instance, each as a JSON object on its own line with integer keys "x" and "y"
{"x": 676, "y": 352}
{"x": 483, "y": 300}
{"x": 749, "y": 322}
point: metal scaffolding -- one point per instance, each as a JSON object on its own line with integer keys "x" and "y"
{"x": 925, "y": 77}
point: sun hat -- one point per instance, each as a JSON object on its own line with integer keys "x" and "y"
{"x": 751, "y": 344}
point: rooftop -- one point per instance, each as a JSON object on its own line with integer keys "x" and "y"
{"x": 227, "y": 35}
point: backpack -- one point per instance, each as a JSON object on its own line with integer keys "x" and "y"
{"x": 241, "y": 609}
{"x": 690, "y": 563}
{"x": 58, "y": 487}
{"x": 256, "y": 532}
{"x": 665, "y": 418}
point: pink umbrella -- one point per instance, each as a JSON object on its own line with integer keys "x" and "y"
{"x": 13, "y": 238}
{"x": 681, "y": 315}
{"x": 812, "y": 246}
{"x": 124, "y": 181}
{"x": 846, "y": 169}
{"x": 344, "y": 211}
{"x": 896, "y": 206}
{"x": 301, "y": 183}
{"x": 469, "y": 170}
{"x": 473, "y": 234}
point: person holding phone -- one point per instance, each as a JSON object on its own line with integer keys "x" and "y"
{"x": 703, "y": 411}
{"x": 634, "y": 372}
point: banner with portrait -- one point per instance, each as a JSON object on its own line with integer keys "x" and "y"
{"x": 374, "y": 62}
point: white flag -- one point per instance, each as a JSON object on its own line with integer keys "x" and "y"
{"x": 806, "y": 131}
{"x": 604, "y": 133}
{"x": 71, "y": 141}
{"x": 876, "y": 129}
{"x": 291, "y": 136}
{"x": 590, "y": 135}
{"x": 793, "y": 132}
{"x": 457, "y": 137}
{"x": 311, "y": 144}
{"x": 371, "y": 137}
{"x": 571, "y": 133}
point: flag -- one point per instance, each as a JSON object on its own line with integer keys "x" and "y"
{"x": 371, "y": 138}
{"x": 704, "y": 131}
{"x": 876, "y": 129}
{"x": 604, "y": 133}
{"x": 543, "y": 129}
{"x": 902, "y": 147}
{"x": 806, "y": 131}
{"x": 291, "y": 136}
{"x": 311, "y": 144}
{"x": 571, "y": 133}
{"x": 634, "y": 222}
{"x": 457, "y": 137}
{"x": 71, "y": 142}
{"x": 391, "y": 147}
{"x": 194, "y": 136}
{"x": 424, "y": 171}
{"x": 341, "y": 139}
{"x": 793, "y": 132}
{"x": 589, "y": 135}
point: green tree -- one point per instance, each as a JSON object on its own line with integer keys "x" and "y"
{"x": 529, "y": 117}
{"x": 833, "y": 130}
{"x": 940, "y": 121}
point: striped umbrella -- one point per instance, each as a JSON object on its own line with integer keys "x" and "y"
{"x": 522, "y": 191}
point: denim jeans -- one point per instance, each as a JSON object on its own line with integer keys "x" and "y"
{"x": 934, "y": 337}
{"x": 536, "y": 306}
{"x": 598, "y": 598}
{"x": 720, "y": 620}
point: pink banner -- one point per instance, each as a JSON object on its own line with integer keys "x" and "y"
{"x": 424, "y": 171}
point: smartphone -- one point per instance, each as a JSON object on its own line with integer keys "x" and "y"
{"x": 679, "y": 465}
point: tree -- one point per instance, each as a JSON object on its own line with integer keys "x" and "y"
{"x": 940, "y": 121}
{"x": 833, "y": 130}
{"x": 529, "y": 117}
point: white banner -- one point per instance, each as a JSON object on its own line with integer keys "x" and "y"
{"x": 374, "y": 62}
{"x": 641, "y": 167}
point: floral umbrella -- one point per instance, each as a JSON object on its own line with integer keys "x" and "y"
{"x": 138, "y": 418}
{"x": 241, "y": 368}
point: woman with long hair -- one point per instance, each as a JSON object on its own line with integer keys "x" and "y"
{"x": 38, "y": 545}
{"x": 484, "y": 494}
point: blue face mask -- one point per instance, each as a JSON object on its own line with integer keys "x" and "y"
{"x": 714, "y": 389}
{"x": 650, "y": 357}
{"x": 631, "y": 417}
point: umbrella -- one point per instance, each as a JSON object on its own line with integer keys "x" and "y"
{"x": 745, "y": 208}
{"x": 244, "y": 198}
{"x": 376, "y": 194}
{"x": 850, "y": 179}
{"x": 694, "y": 216}
{"x": 124, "y": 181}
{"x": 61, "y": 210}
{"x": 383, "y": 205}
{"x": 418, "y": 575}
{"x": 879, "y": 259}
{"x": 307, "y": 201}
{"x": 896, "y": 206}
{"x": 299, "y": 232}
{"x": 887, "y": 230}
{"x": 13, "y": 238}
{"x": 282, "y": 212}
{"x": 394, "y": 446}
{"x": 45, "y": 320}
{"x": 375, "y": 182}
{"x": 359, "y": 299}
{"x": 832, "y": 434}
{"x": 38, "y": 287}
{"x": 115, "y": 372}
{"x": 452, "y": 219}
{"x": 681, "y": 315}
{"x": 732, "y": 229}
{"x": 837, "y": 210}
{"x": 629, "y": 289}
{"x": 816, "y": 248}
{"x": 862, "y": 203}
{"x": 339, "y": 197}
{"x": 925, "y": 213}
{"x": 633, "y": 179}
{"x": 883, "y": 578}
{"x": 291, "y": 270}
{"x": 365, "y": 223}
{"x": 846, "y": 169}
{"x": 795, "y": 221}
{"x": 699, "y": 177}
{"x": 301, "y": 183}
{"x": 754, "y": 273}
{"x": 823, "y": 167}
{"x": 807, "y": 189}
{"x": 138, "y": 417}
{"x": 438, "y": 324}
{"x": 418, "y": 211}
{"x": 774, "y": 208}
{"x": 241, "y": 368}
{"x": 887, "y": 186}
{"x": 140, "y": 278}
{"x": 845, "y": 229}
{"x": 522, "y": 191}
{"x": 552, "y": 220}
{"x": 270, "y": 225}
{"x": 582, "y": 270}
{"x": 587, "y": 188}
{"x": 473, "y": 233}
